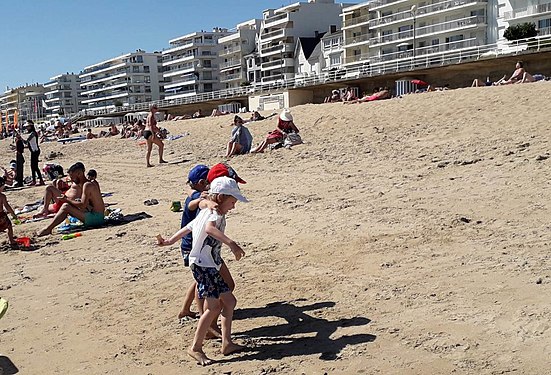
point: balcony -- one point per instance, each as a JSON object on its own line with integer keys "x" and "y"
{"x": 92, "y": 81}
{"x": 378, "y": 4}
{"x": 273, "y": 34}
{"x": 423, "y": 11}
{"x": 278, "y": 48}
{"x": 230, "y": 50}
{"x": 187, "y": 45}
{"x": 424, "y": 51}
{"x": 184, "y": 81}
{"x": 104, "y": 88}
{"x": 230, "y": 64}
{"x": 231, "y": 77}
{"x": 363, "y": 58}
{"x": 358, "y": 39}
{"x": 101, "y": 69}
{"x": 459, "y": 24}
{"x": 356, "y": 21}
{"x": 105, "y": 97}
{"x": 276, "y": 64}
{"x": 179, "y": 71}
{"x": 274, "y": 20}
{"x": 531, "y": 10}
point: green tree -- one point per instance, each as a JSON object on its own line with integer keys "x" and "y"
{"x": 521, "y": 31}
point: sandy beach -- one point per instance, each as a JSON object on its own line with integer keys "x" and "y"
{"x": 407, "y": 236}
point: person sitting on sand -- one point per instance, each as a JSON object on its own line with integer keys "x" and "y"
{"x": 90, "y": 135}
{"x": 58, "y": 188}
{"x": 5, "y": 223}
{"x": 89, "y": 208}
{"x": 285, "y": 125}
{"x": 216, "y": 112}
{"x": 9, "y": 174}
{"x": 241, "y": 139}
{"x": 205, "y": 262}
{"x": 349, "y": 95}
{"x": 520, "y": 75}
{"x": 92, "y": 176}
{"x": 334, "y": 97}
{"x": 197, "y": 114}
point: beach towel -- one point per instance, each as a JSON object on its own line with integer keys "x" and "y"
{"x": 109, "y": 222}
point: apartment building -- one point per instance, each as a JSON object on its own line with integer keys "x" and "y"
{"x": 63, "y": 95}
{"x": 22, "y": 103}
{"x": 385, "y": 30}
{"x": 513, "y": 12}
{"x": 127, "y": 79}
{"x": 232, "y": 52}
{"x": 282, "y": 27}
{"x": 191, "y": 64}
{"x": 332, "y": 49}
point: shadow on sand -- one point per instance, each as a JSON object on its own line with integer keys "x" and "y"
{"x": 7, "y": 367}
{"x": 280, "y": 341}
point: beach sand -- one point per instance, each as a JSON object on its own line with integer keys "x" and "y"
{"x": 408, "y": 236}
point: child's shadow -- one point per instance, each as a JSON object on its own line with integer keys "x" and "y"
{"x": 7, "y": 367}
{"x": 280, "y": 341}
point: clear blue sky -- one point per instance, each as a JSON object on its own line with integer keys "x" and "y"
{"x": 43, "y": 38}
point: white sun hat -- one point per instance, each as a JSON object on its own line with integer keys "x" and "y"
{"x": 286, "y": 115}
{"x": 227, "y": 186}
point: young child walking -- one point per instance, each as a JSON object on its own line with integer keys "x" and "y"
{"x": 205, "y": 262}
{"x": 5, "y": 222}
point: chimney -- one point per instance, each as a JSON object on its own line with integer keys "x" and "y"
{"x": 316, "y": 34}
{"x": 333, "y": 28}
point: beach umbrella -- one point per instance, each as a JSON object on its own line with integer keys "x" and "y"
{"x": 418, "y": 82}
{"x": 15, "y": 119}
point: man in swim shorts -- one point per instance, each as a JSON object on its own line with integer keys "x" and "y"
{"x": 89, "y": 208}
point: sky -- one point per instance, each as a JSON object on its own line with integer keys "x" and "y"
{"x": 40, "y": 39}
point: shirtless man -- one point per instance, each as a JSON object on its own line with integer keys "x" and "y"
{"x": 150, "y": 135}
{"x": 89, "y": 209}
{"x": 56, "y": 190}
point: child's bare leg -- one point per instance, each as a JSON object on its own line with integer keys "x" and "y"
{"x": 212, "y": 309}
{"x": 228, "y": 303}
{"x": 10, "y": 235}
{"x": 226, "y": 275}
{"x": 186, "y": 308}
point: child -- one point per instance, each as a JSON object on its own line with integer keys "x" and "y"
{"x": 208, "y": 236}
{"x": 197, "y": 180}
{"x": 241, "y": 139}
{"x": 92, "y": 176}
{"x": 5, "y": 222}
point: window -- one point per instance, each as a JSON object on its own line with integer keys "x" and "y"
{"x": 207, "y": 87}
{"x": 146, "y": 69}
{"x": 147, "y": 88}
{"x": 207, "y": 63}
{"x": 335, "y": 60}
{"x": 542, "y": 24}
{"x": 207, "y": 75}
{"x": 135, "y": 69}
{"x": 139, "y": 59}
{"x": 435, "y": 42}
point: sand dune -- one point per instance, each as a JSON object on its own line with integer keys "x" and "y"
{"x": 405, "y": 236}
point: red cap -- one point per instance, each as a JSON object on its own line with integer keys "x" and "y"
{"x": 220, "y": 170}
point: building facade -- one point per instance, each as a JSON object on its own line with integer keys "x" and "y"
{"x": 63, "y": 95}
{"x": 513, "y": 12}
{"x": 232, "y": 52}
{"x": 128, "y": 79}
{"x": 280, "y": 29}
{"x": 191, "y": 64}
{"x": 22, "y": 103}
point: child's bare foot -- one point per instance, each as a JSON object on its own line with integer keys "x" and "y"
{"x": 43, "y": 232}
{"x": 187, "y": 313}
{"x": 231, "y": 348}
{"x": 199, "y": 356}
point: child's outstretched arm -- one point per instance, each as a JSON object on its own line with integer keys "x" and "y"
{"x": 8, "y": 208}
{"x": 216, "y": 233}
{"x": 175, "y": 237}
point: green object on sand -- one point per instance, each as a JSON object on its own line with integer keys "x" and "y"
{"x": 3, "y": 307}
{"x": 176, "y": 206}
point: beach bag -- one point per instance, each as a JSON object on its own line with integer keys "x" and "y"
{"x": 292, "y": 139}
{"x": 53, "y": 171}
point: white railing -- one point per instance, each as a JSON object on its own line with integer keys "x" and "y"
{"x": 230, "y": 50}
{"x": 355, "y": 21}
{"x": 231, "y": 63}
{"x": 273, "y": 19}
{"x": 362, "y": 70}
{"x": 272, "y": 34}
{"x": 527, "y": 11}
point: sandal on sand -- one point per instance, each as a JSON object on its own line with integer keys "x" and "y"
{"x": 151, "y": 202}
{"x": 3, "y": 307}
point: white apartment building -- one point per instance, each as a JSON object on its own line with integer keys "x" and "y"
{"x": 63, "y": 95}
{"x": 513, "y": 12}
{"x": 127, "y": 79}
{"x": 281, "y": 27}
{"x": 191, "y": 64}
{"x": 384, "y": 30}
{"x": 24, "y": 102}
{"x": 253, "y": 66}
{"x": 332, "y": 49}
{"x": 233, "y": 49}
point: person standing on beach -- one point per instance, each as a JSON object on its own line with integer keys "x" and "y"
{"x": 32, "y": 142}
{"x": 19, "y": 159}
{"x": 150, "y": 135}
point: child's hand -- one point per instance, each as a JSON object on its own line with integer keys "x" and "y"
{"x": 161, "y": 241}
{"x": 211, "y": 205}
{"x": 237, "y": 251}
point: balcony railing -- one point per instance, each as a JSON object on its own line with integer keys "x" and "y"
{"x": 229, "y": 64}
{"x": 355, "y": 21}
{"x": 530, "y": 10}
{"x": 275, "y": 18}
{"x": 230, "y": 77}
{"x": 378, "y": 3}
{"x": 230, "y": 50}
{"x": 359, "y": 38}
{"x": 428, "y": 9}
{"x": 420, "y": 31}
{"x": 272, "y": 34}
{"x": 278, "y": 63}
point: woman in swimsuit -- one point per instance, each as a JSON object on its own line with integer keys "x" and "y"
{"x": 150, "y": 135}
